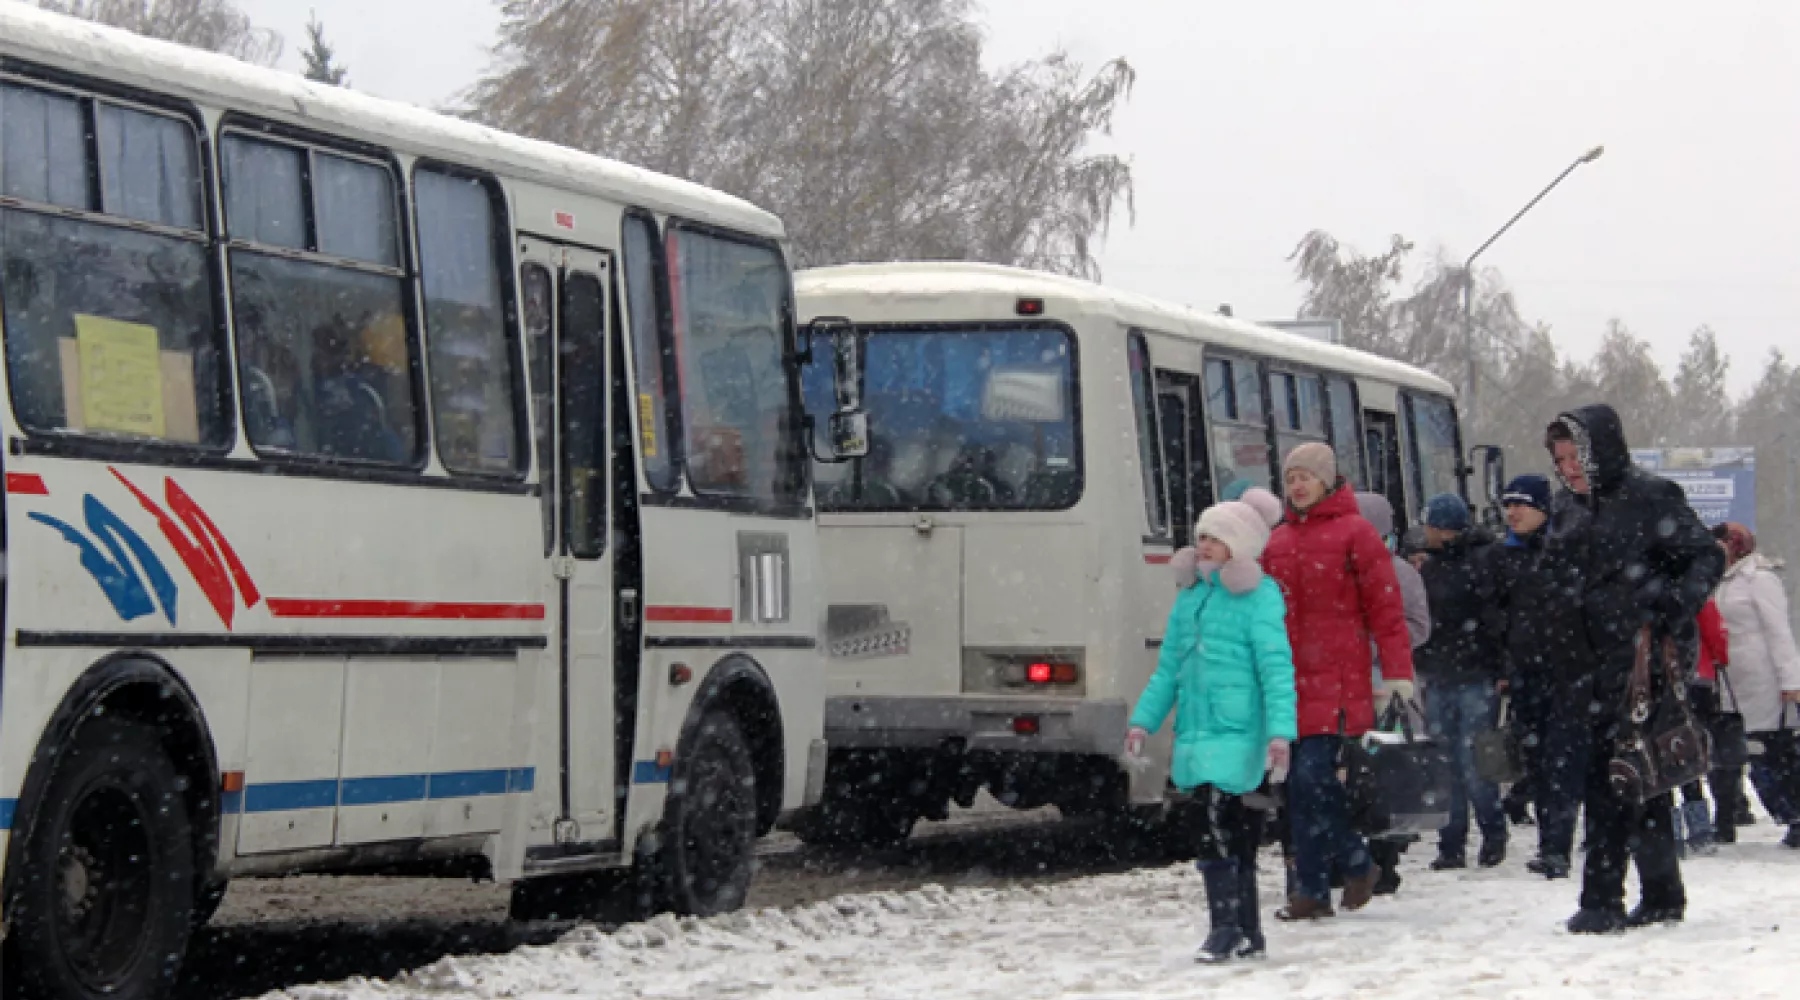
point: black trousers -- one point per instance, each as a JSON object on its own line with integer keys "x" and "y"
{"x": 1222, "y": 828}
{"x": 1620, "y": 833}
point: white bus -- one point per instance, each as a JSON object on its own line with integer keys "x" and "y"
{"x": 996, "y": 565}
{"x": 380, "y": 488}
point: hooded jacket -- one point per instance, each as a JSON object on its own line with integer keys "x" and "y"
{"x": 1643, "y": 556}
{"x": 1342, "y": 595}
{"x": 1228, "y": 673}
{"x": 1467, "y": 638}
{"x": 1378, "y": 512}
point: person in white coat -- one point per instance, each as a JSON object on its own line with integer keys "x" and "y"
{"x": 1764, "y": 676}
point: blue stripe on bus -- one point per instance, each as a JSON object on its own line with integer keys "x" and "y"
{"x": 325, "y": 793}
{"x": 646, "y": 772}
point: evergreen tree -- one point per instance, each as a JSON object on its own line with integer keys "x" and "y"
{"x": 321, "y": 60}
{"x": 1702, "y": 416}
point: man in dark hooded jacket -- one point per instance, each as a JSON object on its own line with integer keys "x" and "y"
{"x": 1643, "y": 559}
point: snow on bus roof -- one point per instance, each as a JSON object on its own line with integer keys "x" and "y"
{"x": 940, "y": 279}
{"x": 83, "y": 47}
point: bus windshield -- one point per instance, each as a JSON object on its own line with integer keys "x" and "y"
{"x": 959, "y": 419}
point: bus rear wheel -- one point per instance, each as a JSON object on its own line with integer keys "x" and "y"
{"x": 103, "y": 905}
{"x": 704, "y": 861}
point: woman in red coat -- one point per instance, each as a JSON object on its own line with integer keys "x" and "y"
{"x": 1342, "y": 597}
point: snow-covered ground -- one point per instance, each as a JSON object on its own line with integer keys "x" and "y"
{"x": 1469, "y": 934}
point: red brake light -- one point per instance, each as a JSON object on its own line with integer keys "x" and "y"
{"x": 1025, "y": 725}
{"x": 1039, "y": 673}
{"x": 1031, "y": 307}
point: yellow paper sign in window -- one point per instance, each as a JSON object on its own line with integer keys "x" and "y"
{"x": 647, "y": 422}
{"x": 121, "y": 376}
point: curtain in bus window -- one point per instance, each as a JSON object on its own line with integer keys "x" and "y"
{"x": 474, "y": 362}
{"x": 1143, "y": 395}
{"x": 109, "y": 331}
{"x": 265, "y": 193}
{"x": 43, "y": 148}
{"x": 649, "y": 353}
{"x": 961, "y": 420}
{"x": 1435, "y": 441}
{"x": 323, "y": 356}
{"x": 353, "y": 205}
{"x": 148, "y": 168}
{"x": 730, "y": 329}
{"x": 1344, "y": 439}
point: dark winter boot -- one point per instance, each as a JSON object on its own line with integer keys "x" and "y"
{"x": 1449, "y": 862}
{"x": 1222, "y": 900}
{"x": 1549, "y": 866}
{"x": 1792, "y": 840}
{"x": 1598, "y": 920}
{"x": 1643, "y": 915}
{"x": 1249, "y": 917}
{"x": 1493, "y": 852}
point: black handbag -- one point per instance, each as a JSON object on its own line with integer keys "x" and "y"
{"x": 1730, "y": 740}
{"x": 1398, "y": 779}
{"x": 1498, "y": 756}
{"x": 1663, "y": 746}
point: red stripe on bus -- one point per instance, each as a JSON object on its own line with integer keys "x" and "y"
{"x": 709, "y": 616}
{"x": 1157, "y": 558}
{"x": 26, "y": 484}
{"x": 282, "y": 607}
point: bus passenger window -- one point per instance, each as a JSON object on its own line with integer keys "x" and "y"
{"x": 1345, "y": 441}
{"x": 1436, "y": 452}
{"x": 646, "y": 309}
{"x": 1240, "y": 431}
{"x": 110, "y": 327}
{"x": 731, "y": 322}
{"x": 1149, "y": 443}
{"x": 535, "y": 288}
{"x": 1299, "y": 406}
{"x": 322, "y": 323}
{"x": 474, "y": 358}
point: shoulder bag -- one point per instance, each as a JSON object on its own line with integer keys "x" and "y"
{"x": 1730, "y": 741}
{"x": 1663, "y": 746}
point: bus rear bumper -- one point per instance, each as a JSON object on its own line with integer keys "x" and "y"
{"x": 977, "y": 722}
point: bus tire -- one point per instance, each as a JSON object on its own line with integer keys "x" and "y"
{"x": 104, "y": 902}
{"x": 706, "y": 852}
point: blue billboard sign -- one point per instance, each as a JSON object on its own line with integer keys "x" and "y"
{"x": 1720, "y": 482}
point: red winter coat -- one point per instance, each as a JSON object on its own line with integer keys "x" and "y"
{"x": 1715, "y": 645}
{"x": 1341, "y": 593}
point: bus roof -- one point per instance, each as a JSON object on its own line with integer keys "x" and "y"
{"x": 939, "y": 280}
{"x": 83, "y": 47}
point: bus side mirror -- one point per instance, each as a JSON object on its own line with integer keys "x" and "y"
{"x": 848, "y": 427}
{"x": 1493, "y": 482}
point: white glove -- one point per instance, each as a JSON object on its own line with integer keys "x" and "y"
{"x": 1134, "y": 741}
{"x": 1279, "y": 758}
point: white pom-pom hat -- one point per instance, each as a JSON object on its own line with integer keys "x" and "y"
{"x": 1240, "y": 526}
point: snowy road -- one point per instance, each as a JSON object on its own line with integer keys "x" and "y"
{"x": 1471, "y": 934}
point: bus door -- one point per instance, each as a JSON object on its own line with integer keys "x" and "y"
{"x": 1381, "y": 450}
{"x": 1184, "y": 450}
{"x": 565, "y": 291}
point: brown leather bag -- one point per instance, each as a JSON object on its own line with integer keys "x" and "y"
{"x": 1663, "y": 746}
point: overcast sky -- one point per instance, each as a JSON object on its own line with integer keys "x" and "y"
{"x": 1253, "y": 123}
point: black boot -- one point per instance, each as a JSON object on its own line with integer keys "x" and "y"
{"x": 1249, "y": 917}
{"x": 1222, "y": 891}
{"x": 1598, "y": 920}
{"x": 1644, "y": 914}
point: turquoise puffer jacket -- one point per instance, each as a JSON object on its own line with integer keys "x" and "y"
{"x": 1228, "y": 672}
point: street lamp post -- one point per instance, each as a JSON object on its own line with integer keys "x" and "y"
{"x": 1468, "y": 274}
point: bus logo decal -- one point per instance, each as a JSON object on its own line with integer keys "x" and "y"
{"x": 206, "y": 553}
{"x": 117, "y": 577}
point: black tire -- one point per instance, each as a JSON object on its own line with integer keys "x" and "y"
{"x": 705, "y": 853}
{"x": 103, "y": 902}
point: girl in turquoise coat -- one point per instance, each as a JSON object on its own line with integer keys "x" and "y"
{"x": 1227, "y": 672}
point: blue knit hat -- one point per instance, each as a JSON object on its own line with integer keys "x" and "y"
{"x": 1531, "y": 491}
{"x": 1447, "y": 512}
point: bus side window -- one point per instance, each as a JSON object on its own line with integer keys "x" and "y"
{"x": 1240, "y": 429}
{"x": 1341, "y": 405}
{"x": 1149, "y": 443}
{"x": 474, "y": 356}
{"x": 109, "y": 317}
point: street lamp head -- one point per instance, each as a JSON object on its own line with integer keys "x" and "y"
{"x": 1592, "y": 154}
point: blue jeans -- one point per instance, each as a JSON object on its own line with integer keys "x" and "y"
{"x": 1319, "y": 818}
{"x": 1456, "y": 713}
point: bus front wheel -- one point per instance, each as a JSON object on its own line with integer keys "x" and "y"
{"x": 704, "y": 860}
{"x": 103, "y": 903}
